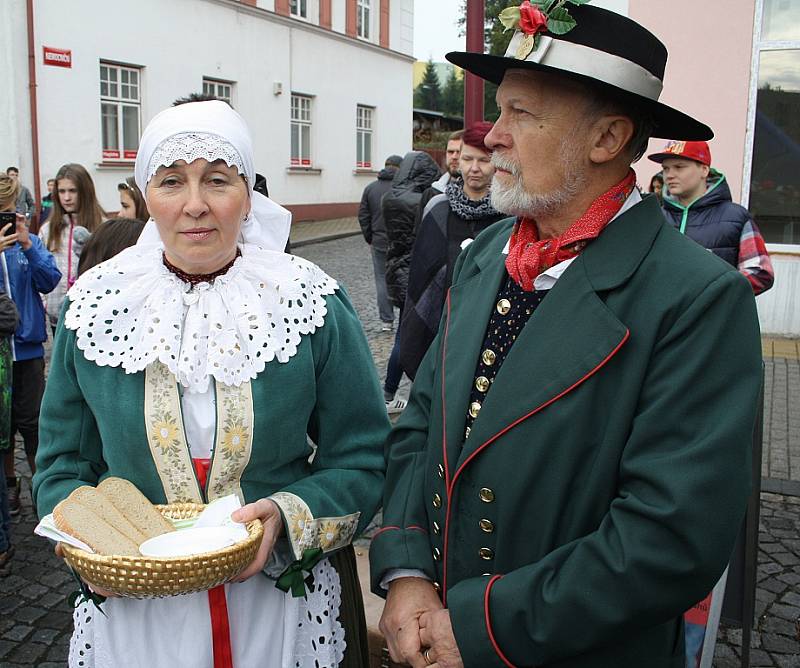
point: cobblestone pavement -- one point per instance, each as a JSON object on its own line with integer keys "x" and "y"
{"x": 781, "y": 460}
{"x": 35, "y": 620}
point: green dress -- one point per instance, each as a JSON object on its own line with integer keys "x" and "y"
{"x": 307, "y": 432}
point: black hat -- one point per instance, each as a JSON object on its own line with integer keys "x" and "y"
{"x": 604, "y": 49}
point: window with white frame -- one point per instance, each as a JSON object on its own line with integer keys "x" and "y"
{"x": 301, "y": 131}
{"x": 364, "y": 121}
{"x": 364, "y": 19}
{"x": 774, "y": 179}
{"x": 298, "y": 8}
{"x": 120, "y": 110}
{"x": 222, "y": 90}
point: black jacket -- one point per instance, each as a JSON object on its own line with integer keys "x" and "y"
{"x": 416, "y": 173}
{"x": 9, "y": 318}
{"x": 713, "y": 220}
{"x": 436, "y": 249}
{"x": 370, "y": 212}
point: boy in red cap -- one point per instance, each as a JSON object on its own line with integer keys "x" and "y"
{"x": 699, "y": 204}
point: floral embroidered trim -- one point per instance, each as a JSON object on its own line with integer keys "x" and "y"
{"x": 305, "y": 532}
{"x": 165, "y": 436}
{"x": 234, "y": 441}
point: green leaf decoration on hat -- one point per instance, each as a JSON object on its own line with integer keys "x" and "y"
{"x": 509, "y": 17}
{"x": 559, "y": 21}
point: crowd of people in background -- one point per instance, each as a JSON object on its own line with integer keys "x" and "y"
{"x": 74, "y": 234}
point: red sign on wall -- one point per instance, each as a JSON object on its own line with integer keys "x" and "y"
{"x": 57, "y": 57}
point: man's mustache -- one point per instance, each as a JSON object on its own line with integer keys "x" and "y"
{"x": 505, "y": 164}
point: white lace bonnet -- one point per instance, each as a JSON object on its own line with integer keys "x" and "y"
{"x": 214, "y": 131}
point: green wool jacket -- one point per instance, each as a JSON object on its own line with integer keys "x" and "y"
{"x": 603, "y": 483}
{"x": 92, "y": 424}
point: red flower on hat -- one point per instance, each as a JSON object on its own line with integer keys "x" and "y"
{"x": 532, "y": 20}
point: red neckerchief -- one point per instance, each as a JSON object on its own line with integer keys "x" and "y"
{"x": 529, "y": 256}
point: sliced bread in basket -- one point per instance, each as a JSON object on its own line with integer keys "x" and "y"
{"x": 102, "y": 506}
{"x": 135, "y": 506}
{"x": 79, "y": 521}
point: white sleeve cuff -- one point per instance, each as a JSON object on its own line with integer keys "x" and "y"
{"x": 397, "y": 573}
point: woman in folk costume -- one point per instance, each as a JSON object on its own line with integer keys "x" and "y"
{"x": 199, "y": 363}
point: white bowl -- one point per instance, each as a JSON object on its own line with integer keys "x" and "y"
{"x": 186, "y": 542}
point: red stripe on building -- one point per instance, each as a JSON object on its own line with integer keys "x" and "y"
{"x": 325, "y": 14}
{"x": 350, "y": 18}
{"x": 384, "y": 32}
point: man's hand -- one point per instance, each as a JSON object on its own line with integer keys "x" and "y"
{"x": 267, "y": 511}
{"x": 436, "y": 632}
{"x": 408, "y": 600}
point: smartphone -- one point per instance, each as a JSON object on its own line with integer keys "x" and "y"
{"x": 7, "y": 217}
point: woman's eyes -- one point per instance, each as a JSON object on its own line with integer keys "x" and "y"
{"x": 173, "y": 181}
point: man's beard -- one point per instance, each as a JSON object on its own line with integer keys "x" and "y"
{"x": 516, "y": 201}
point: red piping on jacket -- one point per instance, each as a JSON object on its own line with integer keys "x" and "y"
{"x": 413, "y": 527}
{"x": 444, "y": 409}
{"x": 489, "y": 623}
{"x": 382, "y": 529}
{"x": 500, "y": 433}
{"x": 416, "y": 528}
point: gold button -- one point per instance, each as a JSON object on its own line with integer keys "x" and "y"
{"x": 440, "y": 471}
{"x": 486, "y": 495}
{"x": 503, "y": 306}
{"x": 437, "y": 587}
{"x": 437, "y": 555}
{"x": 475, "y": 408}
{"x": 482, "y": 384}
{"x": 436, "y": 528}
{"x": 467, "y": 432}
{"x": 437, "y": 501}
{"x": 486, "y": 526}
{"x": 488, "y": 357}
{"x": 486, "y": 553}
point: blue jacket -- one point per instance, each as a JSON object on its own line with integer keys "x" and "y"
{"x": 30, "y": 272}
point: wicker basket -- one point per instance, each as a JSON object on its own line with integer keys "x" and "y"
{"x": 153, "y": 577}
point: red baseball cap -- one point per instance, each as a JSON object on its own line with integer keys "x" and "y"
{"x": 691, "y": 150}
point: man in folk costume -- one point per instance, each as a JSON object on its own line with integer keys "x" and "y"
{"x": 573, "y": 465}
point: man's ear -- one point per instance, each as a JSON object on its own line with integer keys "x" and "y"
{"x": 609, "y": 138}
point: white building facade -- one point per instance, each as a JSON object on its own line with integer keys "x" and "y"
{"x": 325, "y": 86}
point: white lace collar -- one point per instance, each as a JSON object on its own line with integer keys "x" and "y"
{"x": 131, "y": 311}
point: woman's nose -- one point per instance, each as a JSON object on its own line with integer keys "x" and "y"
{"x": 195, "y": 205}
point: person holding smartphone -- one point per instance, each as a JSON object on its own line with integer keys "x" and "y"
{"x": 28, "y": 269}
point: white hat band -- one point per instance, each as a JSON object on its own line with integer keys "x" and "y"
{"x": 593, "y": 63}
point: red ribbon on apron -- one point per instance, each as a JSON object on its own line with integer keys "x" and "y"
{"x": 217, "y": 605}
